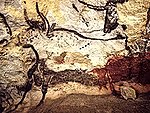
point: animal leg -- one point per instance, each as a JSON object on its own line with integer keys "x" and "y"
{"x": 30, "y": 73}
{"x": 111, "y": 85}
{"x": 44, "y": 91}
{"x": 102, "y": 78}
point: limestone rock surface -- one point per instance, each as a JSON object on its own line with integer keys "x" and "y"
{"x": 64, "y": 50}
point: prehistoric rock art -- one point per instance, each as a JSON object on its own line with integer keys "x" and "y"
{"x": 125, "y": 68}
{"x": 46, "y": 36}
{"x": 5, "y": 22}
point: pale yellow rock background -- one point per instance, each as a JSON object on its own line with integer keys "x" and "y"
{"x": 132, "y": 13}
{"x": 15, "y": 60}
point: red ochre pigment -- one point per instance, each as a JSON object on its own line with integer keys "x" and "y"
{"x": 124, "y": 68}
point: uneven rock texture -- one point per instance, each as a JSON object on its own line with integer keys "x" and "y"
{"x": 94, "y": 52}
{"x": 80, "y": 103}
{"x": 133, "y": 14}
{"x": 64, "y": 50}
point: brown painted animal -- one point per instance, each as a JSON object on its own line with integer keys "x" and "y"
{"x": 122, "y": 68}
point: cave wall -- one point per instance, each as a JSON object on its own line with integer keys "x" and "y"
{"x": 64, "y": 50}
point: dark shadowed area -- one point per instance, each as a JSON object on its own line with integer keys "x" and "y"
{"x": 81, "y": 103}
